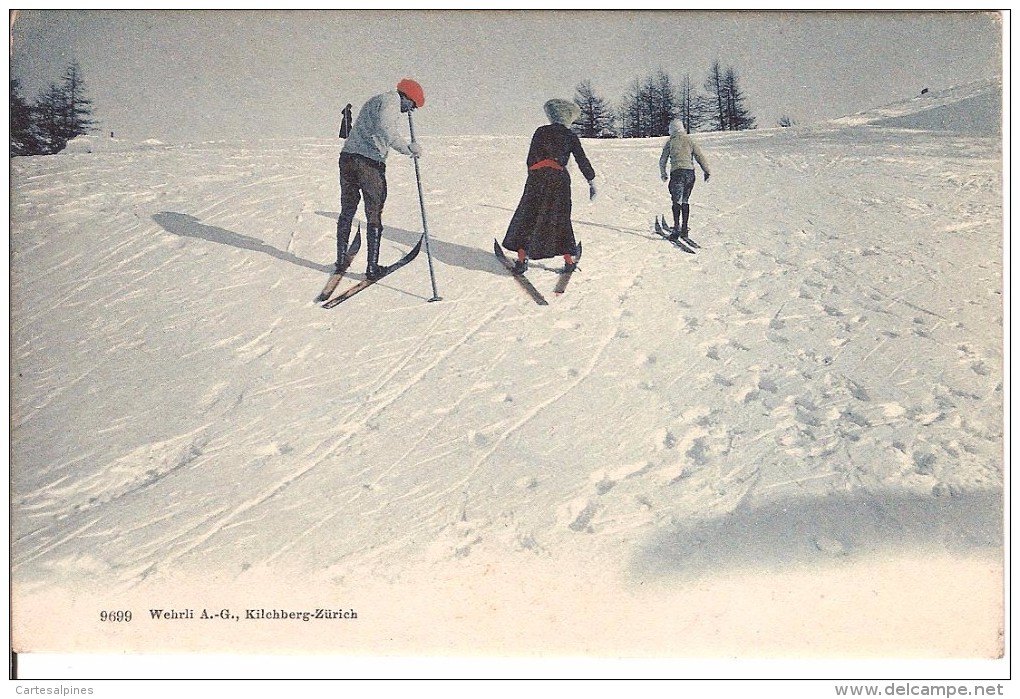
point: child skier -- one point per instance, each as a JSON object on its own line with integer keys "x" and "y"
{"x": 680, "y": 152}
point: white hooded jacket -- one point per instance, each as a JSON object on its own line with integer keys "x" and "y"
{"x": 680, "y": 151}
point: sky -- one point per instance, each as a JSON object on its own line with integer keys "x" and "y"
{"x": 181, "y": 76}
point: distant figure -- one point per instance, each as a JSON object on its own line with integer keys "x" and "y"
{"x": 680, "y": 152}
{"x": 345, "y": 121}
{"x": 111, "y": 134}
{"x": 541, "y": 227}
{"x": 924, "y": 91}
{"x": 363, "y": 166}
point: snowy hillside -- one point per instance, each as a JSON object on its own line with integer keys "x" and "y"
{"x": 974, "y": 108}
{"x": 790, "y": 442}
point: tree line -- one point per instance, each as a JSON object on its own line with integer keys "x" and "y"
{"x": 64, "y": 111}
{"x": 61, "y": 112}
{"x": 650, "y": 103}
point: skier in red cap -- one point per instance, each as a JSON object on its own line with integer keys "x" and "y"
{"x": 363, "y": 166}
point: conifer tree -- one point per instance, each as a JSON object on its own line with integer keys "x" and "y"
{"x": 24, "y": 140}
{"x": 63, "y": 111}
{"x": 649, "y": 105}
{"x": 715, "y": 87}
{"x": 739, "y": 116}
{"x": 634, "y": 116}
{"x": 727, "y": 109}
{"x": 663, "y": 102}
{"x": 597, "y": 119}
{"x": 691, "y": 106}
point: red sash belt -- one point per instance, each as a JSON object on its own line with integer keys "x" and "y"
{"x": 546, "y": 163}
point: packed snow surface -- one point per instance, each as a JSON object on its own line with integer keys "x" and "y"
{"x": 790, "y": 441}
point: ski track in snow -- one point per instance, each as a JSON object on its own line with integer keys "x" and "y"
{"x": 178, "y": 399}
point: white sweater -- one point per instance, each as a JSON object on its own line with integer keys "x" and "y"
{"x": 680, "y": 152}
{"x": 377, "y": 129}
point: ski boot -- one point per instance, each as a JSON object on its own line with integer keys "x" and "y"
{"x": 570, "y": 261}
{"x": 343, "y": 234}
{"x": 674, "y": 233}
{"x": 374, "y": 270}
{"x": 685, "y": 210}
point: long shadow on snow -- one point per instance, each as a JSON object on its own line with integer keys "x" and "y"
{"x": 810, "y": 531}
{"x": 474, "y": 259}
{"x": 637, "y": 232}
{"x": 189, "y": 226}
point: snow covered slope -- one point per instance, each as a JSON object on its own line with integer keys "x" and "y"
{"x": 974, "y": 108}
{"x": 791, "y": 441}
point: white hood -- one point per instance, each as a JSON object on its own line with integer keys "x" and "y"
{"x": 561, "y": 111}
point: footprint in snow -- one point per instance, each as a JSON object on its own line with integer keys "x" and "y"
{"x": 646, "y": 360}
{"x": 980, "y": 368}
{"x": 582, "y": 523}
{"x": 924, "y": 463}
{"x": 700, "y": 452}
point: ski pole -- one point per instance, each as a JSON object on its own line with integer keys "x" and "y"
{"x": 424, "y": 222}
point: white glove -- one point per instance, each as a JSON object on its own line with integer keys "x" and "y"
{"x": 415, "y": 149}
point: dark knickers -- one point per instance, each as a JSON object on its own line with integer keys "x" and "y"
{"x": 361, "y": 176}
{"x": 681, "y": 184}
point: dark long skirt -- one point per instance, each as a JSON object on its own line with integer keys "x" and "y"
{"x": 541, "y": 224}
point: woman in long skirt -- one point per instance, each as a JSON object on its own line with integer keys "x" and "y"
{"x": 541, "y": 227}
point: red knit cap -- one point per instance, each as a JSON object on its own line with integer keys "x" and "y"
{"x": 412, "y": 91}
